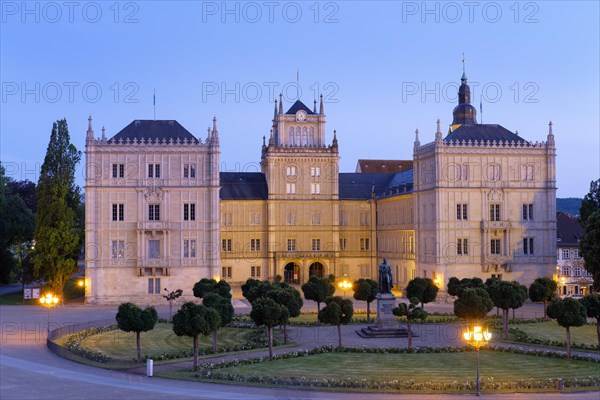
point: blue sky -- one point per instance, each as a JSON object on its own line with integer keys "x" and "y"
{"x": 384, "y": 68}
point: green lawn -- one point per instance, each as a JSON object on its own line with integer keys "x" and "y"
{"x": 160, "y": 340}
{"x": 420, "y": 367}
{"x": 550, "y": 330}
{"x": 15, "y": 298}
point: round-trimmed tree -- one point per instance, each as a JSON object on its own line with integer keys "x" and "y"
{"x": 506, "y": 295}
{"x": 225, "y": 309}
{"x": 473, "y": 304}
{"x": 591, "y": 302}
{"x": 543, "y": 290}
{"x": 318, "y": 290}
{"x": 423, "y": 289}
{"x": 266, "y": 312}
{"x": 337, "y": 311}
{"x": 205, "y": 285}
{"x": 131, "y": 318}
{"x": 412, "y": 312}
{"x": 366, "y": 290}
{"x": 568, "y": 312}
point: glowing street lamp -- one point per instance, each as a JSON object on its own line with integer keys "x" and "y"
{"x": 345, "y": 285}
{"x": 477, "y": 337}
{"x": 49, "y": 300}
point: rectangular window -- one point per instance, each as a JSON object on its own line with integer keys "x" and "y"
{"x": 189, "y": 248}
{"x": 117, "y": 249}
{"x": 462, "y": 212}
{"x": 254, "y": 244}
{"x": 315, "y": 188}
{"x": 527, "y": 212}
{"x": 315, "y": 171}
{"x": 462, "y": 246}
{"x": 565, "y": 254}
{"x": 290, "y": 188}
{"x": 364, "y": 219}
{"x": 226, "y": 219}
{"x": 343, "y": 244}
{"x": 118, "y": 170}
{"x": 291, "y": 218}
{"x": 189, "y": 170}
{"x": 118, "y": 212}
{"x": 189, "y": 212}
{"x": 462, "y": 172}
{"x": 577, "y": 271}
{"x": 255, "y": 218}
{"x": 153, "y": 248}
{"x": 495, "y": 247}
{"x": 291, "y": 170}
{"x": 153, "y": 212}
{"x": 153, "y": 170}
{"x": 226, "y": 244}
{"x": 364, "y": 244}
{"x": 343, "y": 219}
{"x": 494, "y": 212}
{"x": 316, "y": 245}
{"x": 566, "y": 271}
{"x": 226, "y": 272}
{"x": 576, "y": 254}
{"x": 255, "y": 272}
{"x": 153, "y": 285}
{"x": 316, "y": 219}
{"x": 291, "y": 244}
{"x": 528, "y": 173}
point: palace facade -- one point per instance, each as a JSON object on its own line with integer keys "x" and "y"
{"x": 159, "y": 214}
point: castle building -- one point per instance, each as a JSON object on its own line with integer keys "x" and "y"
{"x": 573, "y": 279}
{"x": 159, "y": 214}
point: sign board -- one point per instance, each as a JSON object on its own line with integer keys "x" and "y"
{"x": 31, "y": 293}
{"x": 27, "y": 294}
{"x": 35, "y": 293}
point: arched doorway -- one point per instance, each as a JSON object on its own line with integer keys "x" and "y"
{"x": 291, "y": 273}
{"x": 316, "y": 269}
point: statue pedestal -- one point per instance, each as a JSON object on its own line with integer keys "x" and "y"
{"x": 387, "y": 325}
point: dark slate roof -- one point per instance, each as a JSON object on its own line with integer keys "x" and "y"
{"x": 297, "y": 106}
{"x": 355, "y": 186}
{"x": 568, "y": 230}
{"x": 243, "y": 186}
{"x": 401, "y": 183}
{"x": 150, "y": 129}
{"x": 483, "y": 132}
{"x": 383, "y": 166}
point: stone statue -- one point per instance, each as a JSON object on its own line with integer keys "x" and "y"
{"x": 385, "y": 277}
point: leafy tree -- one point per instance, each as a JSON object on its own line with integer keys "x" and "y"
{"x": 366, "y": 290}
{"x": 337, "y": 311}
{"x": 589, "y": 247}
{"x": 506, "y": 295}
{"x": 412, "y": 312}
{"x": 318, "y": 289}
{"x": 542, "y": 289}
{"x": 423, "y": 289}
{"x": 260, "y": 290}
{"x": 591, "y": 302}
{"x": 266, "y": 312}
{"x": 225, "y": 309}
{"x": 568, "y": 312}
{"x": 57, "y": 238}
{"x": 473, "y": 304}
{"x": 590, "y": 203}
{"x": 26, "y": 190}
{"x": 205, "y": 285}
{"x": 194, "y": 320}
{"x": 131, "y": 318}
{"x": 289, "y": 298}
{"x": 456, "y": 286}
{"x": 278, "y": 278}
{"x": 250, "y": 283}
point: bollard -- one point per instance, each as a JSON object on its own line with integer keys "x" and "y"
{"x": 559, "y": 384}
{"x": 149, "y": 367}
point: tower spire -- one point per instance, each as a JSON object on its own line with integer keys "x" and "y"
{"x": 321, "y": 109}
{"x": 103, "y": 135}
{"x": 280, "y": 103}
{"x": 550, "y": 134}
{"x": 275, "y": 111}
{"x": 464, "y": 75}
{"x": 215, "y": 132}
{"x": 315, "y": 106}
{"x": 90, "y": 131}
{"x": 438, "y": 132}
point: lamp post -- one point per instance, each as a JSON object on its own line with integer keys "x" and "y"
{"x": 477, "y": 337}
{"x": 345, "y": 285}
{"x": 49, "y": 300}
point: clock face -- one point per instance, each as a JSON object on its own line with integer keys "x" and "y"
{"x": 301, "y": 115}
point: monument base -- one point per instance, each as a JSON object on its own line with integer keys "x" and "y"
{"x": 387, "y": 325}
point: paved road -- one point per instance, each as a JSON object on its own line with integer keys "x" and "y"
{"x": 28, "y": 370}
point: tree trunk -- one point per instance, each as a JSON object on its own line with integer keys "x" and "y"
{"x": 368, "y": 312}
{"x": 568, "y": 341}
{"x": 409, "y": 333}
{"x": 505, "y": 323}
{"x": 340, "y": 336}
{"x": 270, "y": 335}
{"x": 214, "y": 341}
{"x": 598, "y": 330}
{"x": 195, "y": 352}
{"x": 285, "y": 337}
{"x": 137, "y": 344}
{"x": 513, "y": 315}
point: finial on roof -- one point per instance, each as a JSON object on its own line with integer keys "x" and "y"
{"x": 264, "y": 141}
{"x": 321, "y": 108}
{"x": 438, "y": 132}
{"x": 550, "y": 128}
{"x": 550, "y": 140}
{"x": 315, "y": 106}
{"x": 90, "y": 131}
{"x": 275, "y": 111}
{"x": 464, "y": 75}
{"x": 215, "y": 123}
{"x": 280, "y": 103}
{"x": 438, "y": 126}
{"x": 103, "y": 135}
{"x": 416, "y": 136}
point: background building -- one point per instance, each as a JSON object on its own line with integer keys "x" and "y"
{"x": 573, "y": 279}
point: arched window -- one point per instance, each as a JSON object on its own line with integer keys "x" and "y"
{"x": 305, "y": 137}
{"x": 298, "y": 137}
{"x": 291, "y": 136}
{"x": 312, "y": 136}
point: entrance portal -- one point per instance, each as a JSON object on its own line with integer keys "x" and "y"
{"x": 291, "y": 273}
{"x": 316, "y": 269}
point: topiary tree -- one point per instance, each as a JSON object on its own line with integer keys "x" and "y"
{"x": 225, "y": 309}
{"x": 131, "y": 318}
{"x": 473, "y": 304}
{"x": 205, "y": 285}
{"x": 337, "y": 311}
{"x": 318, "y": 289}
{"x": 266, "y": 312}
{"x": 591, "y": 302}
{"x": 456, "y": 286}
{"x": 250, "y": 283}
{"x": 568, "y": 312}
{"x": 366, "y": 290}
{"x": 423, "y": 289}
{"x": 542, "y": 289}
{"x": 260, "y": 290}
{"x": 506, "y": 295}
{"x": 412, "y": 312}
{"x": 278, "y": 278}
{"x": 291, "y": 299}
{"x": 194, "y": 320}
